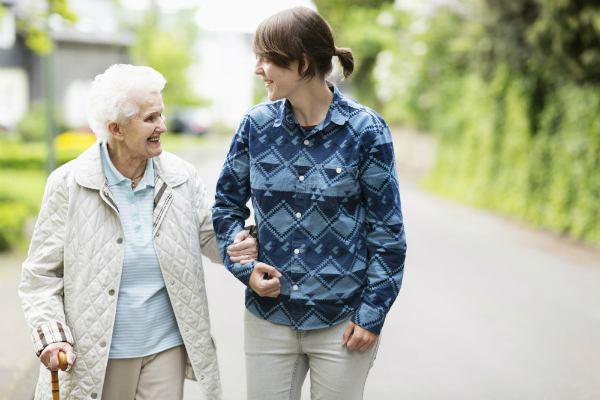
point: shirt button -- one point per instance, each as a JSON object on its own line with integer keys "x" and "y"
{"x": 111, "y": 292}
{"x": 297, "y": 251}
{"x": 137, "y": 229}
{"x": 306, "y": 142}
{"x": 298, "y": 215}
{"x": 338, "y": 170}
{"x": 120, "y": 240}
{"x": 295, "y": 287}
{"x": 301, "y": 178}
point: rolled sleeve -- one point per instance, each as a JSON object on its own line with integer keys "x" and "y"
{"x": 51, "y": 332}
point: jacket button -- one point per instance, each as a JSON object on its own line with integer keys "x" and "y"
{"x": 201, "y": 377}
{"x": 94, "y": 395}
{"x": 120, "y": 240}
{"x": 187, "y": 329}
{"x": 111, "y": 292}
{"x": 157, "y": 234}
{"x": 102, "y": 344}
{"x": 172, "y": 283}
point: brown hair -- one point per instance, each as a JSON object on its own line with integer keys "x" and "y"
{"x": 286, "y": 36}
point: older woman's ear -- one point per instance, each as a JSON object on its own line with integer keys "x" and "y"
{"x": 115, "y": 131}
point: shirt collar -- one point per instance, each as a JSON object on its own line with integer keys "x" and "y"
{"x": 338, "y": 110}
{"x": 114, "y": 177}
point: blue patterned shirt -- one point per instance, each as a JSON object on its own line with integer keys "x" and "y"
{"x": 327, "y": 210}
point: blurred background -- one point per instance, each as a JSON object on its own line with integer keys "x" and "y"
{"x": 494, "y": 107}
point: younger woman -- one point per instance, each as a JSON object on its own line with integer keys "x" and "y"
{"x": 320, "y": 170}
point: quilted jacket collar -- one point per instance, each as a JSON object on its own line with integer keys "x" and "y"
{"x": 90, "y": 173}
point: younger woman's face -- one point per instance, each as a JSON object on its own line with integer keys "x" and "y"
{"x": 280, "y": 82}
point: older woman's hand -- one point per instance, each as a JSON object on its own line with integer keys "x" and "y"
{"x": 243, "y": 249}
{"x": 50, "y": 355}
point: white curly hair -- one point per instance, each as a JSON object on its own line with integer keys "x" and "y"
{"x": 114, "y": 95}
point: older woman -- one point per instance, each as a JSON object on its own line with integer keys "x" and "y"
{"x": 114, "y": 272}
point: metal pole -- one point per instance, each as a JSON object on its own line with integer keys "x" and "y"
{"x": 50, "y": 109}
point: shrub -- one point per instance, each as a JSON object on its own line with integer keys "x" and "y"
{"x": 12, "y": 219}
{"x": 33, "y": 125}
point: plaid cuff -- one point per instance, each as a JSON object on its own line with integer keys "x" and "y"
{"x": 189, "y": 371}
{"x": 49, "y": 333}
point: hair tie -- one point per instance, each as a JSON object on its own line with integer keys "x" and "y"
{"x": 336, "y": 51}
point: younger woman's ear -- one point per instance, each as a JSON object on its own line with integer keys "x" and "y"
{"x": 305, "y": 67}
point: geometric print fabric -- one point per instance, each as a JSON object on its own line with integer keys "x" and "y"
{"x": 327, "y": 210}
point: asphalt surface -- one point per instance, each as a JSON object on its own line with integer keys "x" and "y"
{"x": 489, "y": 309}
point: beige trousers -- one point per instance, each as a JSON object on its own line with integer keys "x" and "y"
{"x": 278, "y": 359}
{"x": 156, "y": 377}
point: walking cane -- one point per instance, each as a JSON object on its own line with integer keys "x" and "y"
{"x": 62, "y": 363}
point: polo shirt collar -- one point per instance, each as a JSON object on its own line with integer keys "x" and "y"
{"x": 114, "y": 177}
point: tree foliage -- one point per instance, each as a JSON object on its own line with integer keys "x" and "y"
{"x": 513, "y": 92}
{"x": 166, "y": 47}
{"x": 356, "y": 25}
{"x": 32, "y": 21}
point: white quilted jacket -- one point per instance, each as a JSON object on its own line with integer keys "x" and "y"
{"x": 73, "y": 270}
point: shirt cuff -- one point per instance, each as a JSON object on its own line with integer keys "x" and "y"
{"x": 369, "y": 318}
{"x": 48, "y": 333}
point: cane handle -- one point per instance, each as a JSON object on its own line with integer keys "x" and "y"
{"x": 62, "y": 361}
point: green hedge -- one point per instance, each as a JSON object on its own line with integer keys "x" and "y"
{"x": 30, "y": 156}
{"x": 12, "y": 220}
{"x": 491, "y": 156}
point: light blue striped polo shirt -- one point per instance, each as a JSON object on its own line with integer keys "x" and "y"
{"x": 145, "y": 322}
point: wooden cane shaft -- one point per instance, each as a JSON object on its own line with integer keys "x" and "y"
{"x": 62, "y": 364}
{"x": 55, "y": 392}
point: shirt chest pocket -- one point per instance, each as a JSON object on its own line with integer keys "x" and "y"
{"x": 339, "y": 180}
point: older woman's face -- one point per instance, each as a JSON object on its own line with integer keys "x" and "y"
{"x": 142, "y": 133}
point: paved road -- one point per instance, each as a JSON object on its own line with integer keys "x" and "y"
{"x": 490, "y": 309}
